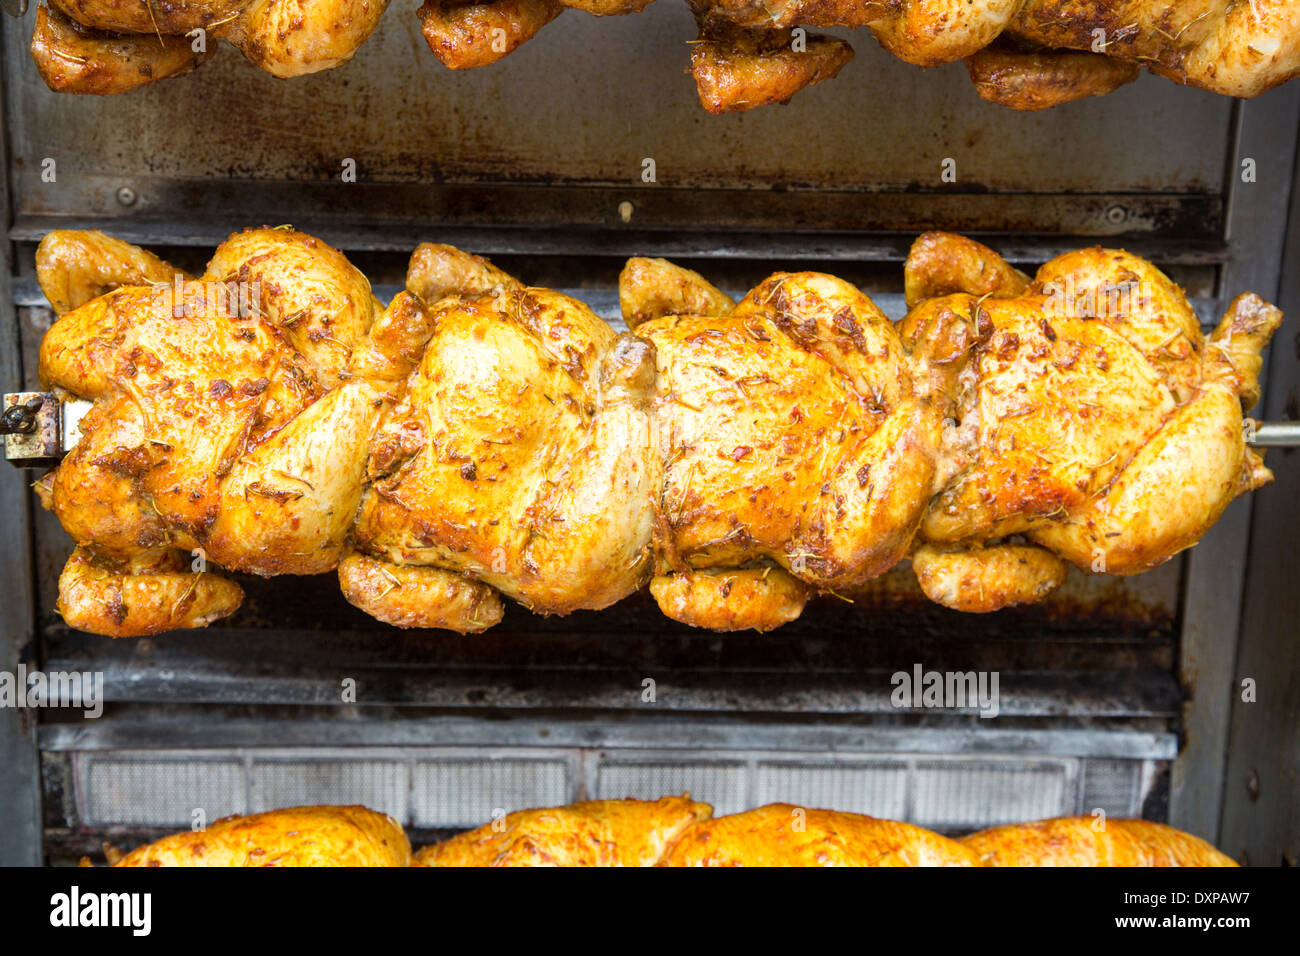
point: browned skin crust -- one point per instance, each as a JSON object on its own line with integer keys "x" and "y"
{"x": 594, "y": 833}
{"x": 1037, "y": 81}
{"x": 1086, "y": 841}
{"x": 150, "y": 17}
{"x": 1232, "y": 47}
{"x": 75, "y": 59}
{"x": 784, "y": 835}
{"x": 940, "y": 263}
{"x": 297, "y": 836}
{"x": 737, "y": 70}
{"x": 1087, "y": 413}
{"x": 464, "y": 36}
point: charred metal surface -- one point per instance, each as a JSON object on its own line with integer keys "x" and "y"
{"x": 586, "y": 105}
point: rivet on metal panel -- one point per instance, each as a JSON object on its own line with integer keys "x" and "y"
{"x": 126, "y": 196}
{"x": 1116, "y": 214}
{"x": 625, "y": 209}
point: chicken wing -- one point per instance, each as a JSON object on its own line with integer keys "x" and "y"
{"x": 1037, "y": 81}
{"x": 72, "y": 58}
{"x": 740, "y": 69}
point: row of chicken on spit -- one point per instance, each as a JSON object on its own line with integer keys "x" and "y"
{"x": 670, "y": 831}
{"x": 477, "y": 438}
{"x": 1027, "y": 54}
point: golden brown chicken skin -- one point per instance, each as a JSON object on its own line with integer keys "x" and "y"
{"x": 1037, "y": 81}
{"x": 793, "y": 449}
{"x": 1088, "y": 841}
{"x": 1087, "y": 414}
{"x": 518, "y": 455}
{"x": 226, "y": 420}
{"x": 467, "y": 35}
{"x": 594, "y": 833}
{"x": 159, "y": 18}
{"x": 72, "y": 58}
{"x": 299, "y": 836}
{"x": 1226, "y": 46}
{"x": 781, "y": 834}
{"x": 741, "y": 69}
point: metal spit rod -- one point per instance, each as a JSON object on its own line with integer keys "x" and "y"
{"x": 39, "y": 429}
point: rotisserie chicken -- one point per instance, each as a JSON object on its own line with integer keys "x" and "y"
{"x": 670, "y": 831}
{"x": 1025, "y": 54}
{"x": 478, "y": 437}
{"x": 519, "y": 458}
{"x": 796, "y": 455}
{"x": 295, "y": 837}
{"x": 226, "y": 426}
{"x": 1089, "y": 420}
{"x": 112, "y": 46}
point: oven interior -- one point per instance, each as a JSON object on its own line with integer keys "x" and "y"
{"x": 1119, "y": 694}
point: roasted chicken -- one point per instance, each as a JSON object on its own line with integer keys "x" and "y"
{"x": 479, "y": 438}
{"x": 796, "y": 455}
{"x": 518, "y": 458}
{"x": 112, "y": 46}
{"x": 670, "y": 831}
{"x": 1025, "y": 54}
{"x": 1089, "y": 421}
{"x": 300, "y": 836}
{"x": 227, "y": 426}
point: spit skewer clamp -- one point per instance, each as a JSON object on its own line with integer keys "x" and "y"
{"x": 39, "y": 429}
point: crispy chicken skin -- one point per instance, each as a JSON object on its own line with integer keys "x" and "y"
{"x": 1230, "y": 47}
{"x": 149, "y": 17}
{"x": 1088, "y": 415}
{"x": 520, "y": 455}
{"x": 75, "y": 266}
{"x": 148, "y": 593}
{"x": 1085, "y": 841}
{"x": 986, "y": 579}
{"x": 466, "y": 35}
{"x": 737, "y": 69}
{"x": 112, "y": 46}
{"x": 438, "y": 272}
{"x": 72, "y": 58}
{"x": 299, "y": 836}
{"x": 225, "y": 420}
{"x": 479, "y": 438}
{"x": 1036, "y": 81}
{"x": 793, "y": 446}
{"x": 650, "y": 288}
{"x": 297, "y": 37}
{"x": 595, "y": 833}
{"x": 784, "y": 835}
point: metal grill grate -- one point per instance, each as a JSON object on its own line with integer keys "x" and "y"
{"x": 467, "y": 793}
{"x": 876, "y": 789}
{"x": 152, "y": 791}
{"x": 975, "y": 794}
{"x": 378, "y": 784}
{"x": 464, "y": 787}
